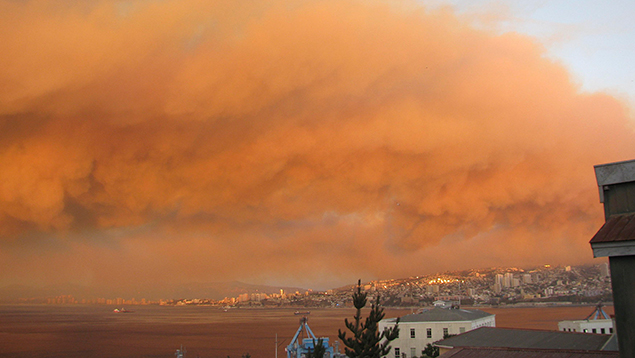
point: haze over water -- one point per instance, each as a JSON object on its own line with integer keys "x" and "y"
{"x": 157, "y": 331}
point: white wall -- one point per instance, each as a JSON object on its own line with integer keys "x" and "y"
{"x": 587, "y": 326}
{"x": 405, "y": 343}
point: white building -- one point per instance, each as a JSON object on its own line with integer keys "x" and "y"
{"x": 597, "y": 322}
{"x": 418, "y": 329}
{"x": 508, "y": 280}
{"x": 526, "y": 278}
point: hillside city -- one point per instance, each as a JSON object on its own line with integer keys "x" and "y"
{"x": 544, "y": 285}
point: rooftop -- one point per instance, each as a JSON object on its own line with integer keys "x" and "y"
{"x": 613, "y": 173}
{"x": 616, "y": 228}
{"x": 526, "y": 338}
{"x": 437, "y": 314}
{"x": 486, "y": 352}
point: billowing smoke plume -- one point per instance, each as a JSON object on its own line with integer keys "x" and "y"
{"x": 297, "y": 142}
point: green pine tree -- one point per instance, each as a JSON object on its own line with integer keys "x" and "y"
{"x": 430, "y": 351}
{"x": 318, "y": 349}
{"x": 367, "y": 341}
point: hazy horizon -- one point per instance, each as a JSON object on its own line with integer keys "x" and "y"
{"x": 288, "y": 142}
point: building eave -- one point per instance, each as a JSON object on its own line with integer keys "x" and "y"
{"x": 616, "y": 248}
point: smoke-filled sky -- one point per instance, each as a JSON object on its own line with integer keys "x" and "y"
{"x": 290, "y": 142}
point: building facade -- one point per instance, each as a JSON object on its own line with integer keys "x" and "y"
{"x": 616, "y": 240}
{"x": 597, "y": 322}
{"x": 601, "y": 326}
{"x": 418, "y": 329}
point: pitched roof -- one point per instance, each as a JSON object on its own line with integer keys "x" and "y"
{"x": 525, "y": 338}
{"x": 616, "y": 228}
{"x": 488, "y": 352}
{"x": 437, "y": 314}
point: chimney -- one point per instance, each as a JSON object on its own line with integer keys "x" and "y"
{"x": 616, "y": 240}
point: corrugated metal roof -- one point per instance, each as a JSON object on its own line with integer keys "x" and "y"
{"x": 437, "y": 314}
{"x": 482, "y": 352}
{"x": 525, "y": 338}
{"x": 616, "y": 228}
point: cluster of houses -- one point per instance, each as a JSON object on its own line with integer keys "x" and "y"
{"x": 460, "y": 333}
{"x": 453, "y": 330}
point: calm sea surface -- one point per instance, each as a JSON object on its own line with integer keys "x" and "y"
{"x": 208, "y": 332}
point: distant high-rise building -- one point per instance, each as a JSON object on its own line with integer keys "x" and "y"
{"x": 508, "y": 280}
{"x": 604, "y": 270}
{"x": 498, "y": 279}
{"x": 526, "y": 278}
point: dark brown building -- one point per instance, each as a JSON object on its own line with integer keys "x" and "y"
{"x": 616, "y": 240}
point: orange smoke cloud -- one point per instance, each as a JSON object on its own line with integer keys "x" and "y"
{"x": 301, "y": 142}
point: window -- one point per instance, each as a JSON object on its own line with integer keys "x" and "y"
{"x": 602, "y": 330}
{"x": 611, "y": 330}
{"x": 595, "y": 330}
{"x": 429, "y": 332}
{"x": 445, "y": 332}
{"x": 397, "y": 352}
{"x": 413, "y": 352}
{"x": 585, "y": 330}
{"x": 461, "y": 329}
{"x": 412, "y": 333}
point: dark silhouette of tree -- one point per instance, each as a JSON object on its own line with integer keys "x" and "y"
{"x": 367, "y": 341}
{"x": 318, "y": 349}
{"x": 430, "y": 351}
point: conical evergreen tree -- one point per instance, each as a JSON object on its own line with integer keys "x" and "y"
{"x": 367, "y": 341}
{"x": 318, "y": 350}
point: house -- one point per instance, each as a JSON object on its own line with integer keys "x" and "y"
{"x": 417, "y": 330}
{"x": 597, "y": 322}
{"x": 616, "y": 240}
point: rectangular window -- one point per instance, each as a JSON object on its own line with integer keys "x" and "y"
{"x": 412, "y": 333}
{"x": 397, "y": 352}
{"x": 445, "y": 332}
{"x": 595, "y": 330}
{"x": 611, "y": 330}
{"x": 602, "y": 330}
{"x": 413, "y": 352}
{"x": 429, "y": 332}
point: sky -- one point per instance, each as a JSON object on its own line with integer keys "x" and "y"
{"x": 307, "y": 143}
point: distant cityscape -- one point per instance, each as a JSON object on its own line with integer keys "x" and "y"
{"x": 493, "y": 286}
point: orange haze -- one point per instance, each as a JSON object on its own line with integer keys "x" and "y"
{"x": 295, "y": 142}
